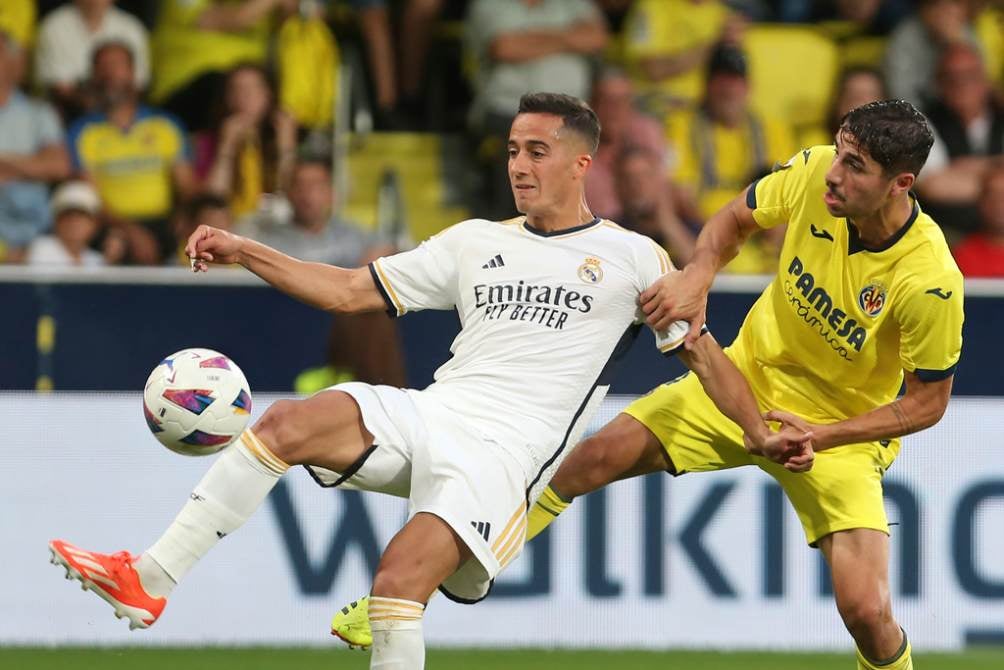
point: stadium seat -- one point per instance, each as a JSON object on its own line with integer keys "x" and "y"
{"x": 864, "y": 50}
{"x": 793, "y": 71}
{"x": 417, "y": 159}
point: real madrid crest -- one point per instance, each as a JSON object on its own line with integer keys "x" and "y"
{"x": 590, "y": 271}
{"x": 871, "y": 300}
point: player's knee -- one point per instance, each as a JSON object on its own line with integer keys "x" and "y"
{"x": 865, "y": 614}
{"x": 279, "y": 430}
{"x": 389, "y": 582}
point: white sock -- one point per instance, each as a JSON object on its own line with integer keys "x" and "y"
{"x": 397, "y": 634}
{"x": 229, "y": 493}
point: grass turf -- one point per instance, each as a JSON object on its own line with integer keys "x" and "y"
{"x": 217, "y": 658}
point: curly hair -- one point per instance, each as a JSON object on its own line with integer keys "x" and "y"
{"x": 893, "y": 132}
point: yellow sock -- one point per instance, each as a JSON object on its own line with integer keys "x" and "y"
{"x": 901, "y": 661}
{"x": 547, "y": 508}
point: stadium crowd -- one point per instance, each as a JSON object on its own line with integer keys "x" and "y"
{"x": 124, "y": 125}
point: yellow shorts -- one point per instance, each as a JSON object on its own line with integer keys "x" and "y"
{"x": 842, "y": 491}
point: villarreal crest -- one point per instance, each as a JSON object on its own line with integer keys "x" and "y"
{"x": 871, "y": 300}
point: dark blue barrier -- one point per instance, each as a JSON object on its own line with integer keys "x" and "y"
{"x": 108, "y": 336}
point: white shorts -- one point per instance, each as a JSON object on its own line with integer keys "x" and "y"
{"x": 444, "y": 467}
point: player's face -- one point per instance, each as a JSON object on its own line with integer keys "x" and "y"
{"x": 546, "y": 164}
{"x": 856, "y": 185}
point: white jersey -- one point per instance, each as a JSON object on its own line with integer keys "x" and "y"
{"x": 544, "y": 317}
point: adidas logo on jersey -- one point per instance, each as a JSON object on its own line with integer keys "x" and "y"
{"x": 483, "y": 528}
{"x": 496, "y": 262}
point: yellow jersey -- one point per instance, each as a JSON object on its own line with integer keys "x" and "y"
{"x": 131, "y": 167}
{"x": 832, "y": 334}
{"x": 716, "y": 163}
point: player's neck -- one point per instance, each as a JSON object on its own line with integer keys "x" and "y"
{"x": 568, "y": 217}
{"x": 875, "y": 230}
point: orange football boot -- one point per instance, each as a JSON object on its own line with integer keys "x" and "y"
{"x": 112, "y": 577}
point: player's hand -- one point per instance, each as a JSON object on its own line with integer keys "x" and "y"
{"x": 212, "y": 245}
{"x": 676, "y": 296}
{"x": 787, "y": 419}
{"x": 790, "y": 447}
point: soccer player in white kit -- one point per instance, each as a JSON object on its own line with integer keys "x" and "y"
{"x": 547, "y": 303}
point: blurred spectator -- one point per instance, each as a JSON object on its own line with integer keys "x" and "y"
{"x": 624, "y": 127}
{"x": 522, "y": 46}
{"x": 615, "y": 13}
{"x": 75, "y": 208}
{"x": 857, "y": 86}
{"x": 418, "y": 23}
{"x": 202, "y": 209}
{"x": 916, "y": 44}
{"x": 136, "y": 156}
{"x": 375, "y": 25}
{"x": 196, "y": 42}
{"x": 982, "y": 253}
{"x": 31, "y": 154}
{"x": 647, "y": 203}
{"x": 364, "y": 346}
{"x": 722, "y": 146}
{"x": 253, "y": 148}
{"x": 668, "y": 44}
{"x": 527, "y": 45}
{"x": 315, "y": 232}
{"x": 66, "y": 40}
{"x": 968, "y": 125}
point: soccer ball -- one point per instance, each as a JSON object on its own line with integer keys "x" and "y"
{"x": 196, "y": 402}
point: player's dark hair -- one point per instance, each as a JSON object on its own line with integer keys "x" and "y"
{"x": 893, "y": 133}
{"x": 576, "y": 115}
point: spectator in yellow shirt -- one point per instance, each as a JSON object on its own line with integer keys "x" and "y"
{"x": 137, "y": 157}
{"x": 722, "y": 145}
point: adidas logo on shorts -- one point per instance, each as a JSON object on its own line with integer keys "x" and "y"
{"x": 483, "y": 528}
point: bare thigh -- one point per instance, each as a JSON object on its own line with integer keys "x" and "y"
{"x": 621, "y": 449}
{"x": 325, "y": 429}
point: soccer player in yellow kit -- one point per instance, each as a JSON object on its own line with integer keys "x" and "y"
{"x": 866, "y": 296}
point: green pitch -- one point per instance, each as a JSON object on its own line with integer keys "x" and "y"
{"x": 215, "y": 658}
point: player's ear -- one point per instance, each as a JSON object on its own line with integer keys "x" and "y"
{"x": 582, "y": 163}
{"x": 903, "y": 182}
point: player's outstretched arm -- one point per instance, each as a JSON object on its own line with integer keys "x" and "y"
{"x": 683, "y": 296}
{"x": 728, "y": 389}
{"x": 323, "y": 286}
{"x": 921, "y": 407}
